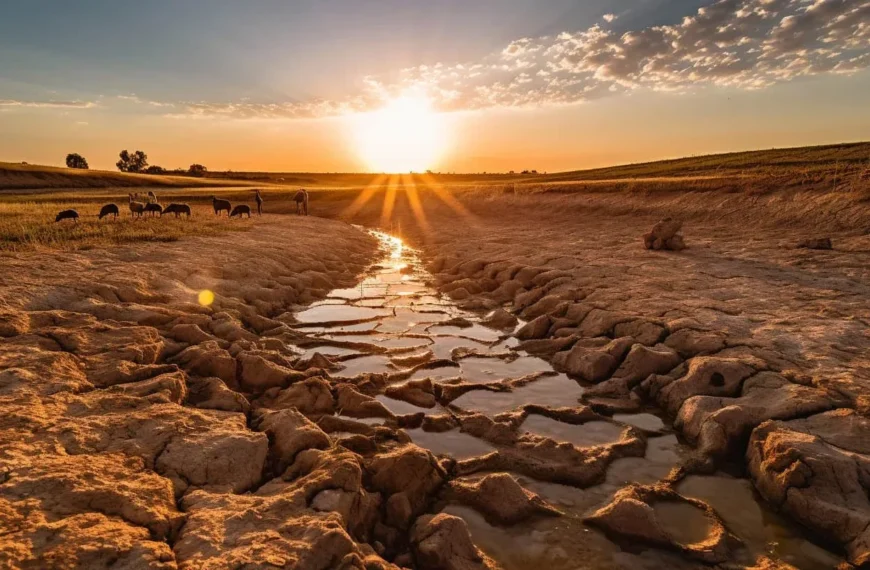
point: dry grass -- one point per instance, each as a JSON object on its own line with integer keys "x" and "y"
{"x": 29, "y": 226}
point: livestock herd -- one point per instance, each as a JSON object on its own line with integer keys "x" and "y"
{"x": 141, "y": 205}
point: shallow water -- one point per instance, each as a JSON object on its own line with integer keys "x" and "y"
{"x": 395, "y": 309}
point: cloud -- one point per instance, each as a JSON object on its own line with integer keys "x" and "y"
{"x": 745, "y": 44}
{"x": 48, "y": 104}
{"x": 609, "y": 17}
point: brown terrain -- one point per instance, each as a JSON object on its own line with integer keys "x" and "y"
{"x": 521, "y": 380}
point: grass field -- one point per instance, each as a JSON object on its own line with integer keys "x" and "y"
{"x": 31, "y": 226}
{"x": 813, "y": 183}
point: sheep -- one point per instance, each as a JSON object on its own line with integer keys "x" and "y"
{"x": 176, "y": 209}
{"x": 301, "y": 200}
{"x": 136, "y": 208}
{"x": 220, "y": 205}
{"x": 154, "y": 209}
{"x": 109, "y": 210}
{"x": 240, "y": 210}
{"x": 67, "y": 215}
{"x": 152, "y": 198}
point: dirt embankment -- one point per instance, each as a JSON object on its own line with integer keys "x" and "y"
{"x": 116, "y": 392}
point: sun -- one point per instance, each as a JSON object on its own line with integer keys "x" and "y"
{"x": 406, "y": 135}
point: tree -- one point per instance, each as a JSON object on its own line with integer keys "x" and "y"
{"x": 154, "y": 169}
{"x": 136, "y": 162}
{"x": 197, "y": 170}
{"x": 75, "y": 160}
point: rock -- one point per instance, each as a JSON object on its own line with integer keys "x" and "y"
{"x": 548, "y": 305}
{"x": 643, "y": 331}
{"x": 172, "y": 385}
{"x": 501, "y": 499}
{"x": 500, "y": 319}
{"x": 815, "y": 470}
{"x": 289, "y": 433}
{"x": 641, "y": 362}
{"x": 412, "y": 360}
{"x": 665, "y": 235}
{"x": 418, "y": 392}
{"x": 208, "y": 359}
{"x": 816, "y": 243}
{"x": 213, "y": 394}
{"x": 317, "y": 361}
{"x": 399, "y": 511}
{"x": 311, "y": 396}
{"x": 409, "y": 470}
{"x": 721, "y": 426}
{"x": 442, "y": 542}
{"x": 535, "y": 329}
{"x": 357, "y": 405}
{"x": 459, "y": 294}
{"x": 191, "y": 334}
{"x": 259, "y": 374}
{"x": 705, "y": 376}
{"x": 201, "y": 460}
{"x": 592, "y": 360}
{"x": 690, "y": 342}
{"x": 93, "y": 541}
{"x": 632, "y": 514}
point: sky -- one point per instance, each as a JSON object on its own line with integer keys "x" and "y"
{"x": 510, "y": 84}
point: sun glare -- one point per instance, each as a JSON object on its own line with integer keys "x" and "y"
{"x": 406, "y": 135}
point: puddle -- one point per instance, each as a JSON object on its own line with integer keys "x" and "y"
{"x": 327, "y": 350}
{"x": 454, "y": 443}
{"x": 686, "y": 523}
{"x": 646, "y": 422}
{"x": 443, "y": 346}
{"x": 339, "y": 314}
{"x": 363, "y": 364}
{"x": 476, "y": 332}
{"x": 585, "y": 435}
{"x": 554, "y": 391}
{"x": 483, "y": 370}
{"x": 763, "y": 531}
{"x": 402, "y": 408}
{"x": 662, "y": 454}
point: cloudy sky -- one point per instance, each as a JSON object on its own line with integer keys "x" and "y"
{"x": 551, "y": 85}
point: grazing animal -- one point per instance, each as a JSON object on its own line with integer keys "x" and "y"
{"x": 154, "y": 208}
{"x": 176, "y": 209}
{"x": 301, "y": 200}
{"x": 221, "y": 205}
{"x": 259, "y": 200}
{"x": 152, "y": 198}
{"x": 240, "y": 210}
{"x": 67, "y": 215}
{"x": 109, "y": 210}
{"x": 136, "y": 208}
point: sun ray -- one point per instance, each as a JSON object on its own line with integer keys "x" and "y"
{"x": 445, "y": 196}
{"x": 414, "y": 201}
{"x": 389, "y": 201}
{"x": 365, "y": 195}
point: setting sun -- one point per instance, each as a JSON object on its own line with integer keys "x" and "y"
{"x": 405, "y": 135}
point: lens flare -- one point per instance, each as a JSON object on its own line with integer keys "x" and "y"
{"x": 205, "y": 298}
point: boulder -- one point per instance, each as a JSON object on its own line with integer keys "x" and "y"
{"x": 311, "y": 396}
{"x": 500, "y": 319}
{"x": 357, "y": 405}
{"x": 442, "y": 542}
{"x": 208, "y": 359}
{"x": 421, "y": 393}
{"x": 501, "y": 499}
{"x": 289, "y": 433}
{"x": 535, "y": 329}
{"x": 410, "y": 470}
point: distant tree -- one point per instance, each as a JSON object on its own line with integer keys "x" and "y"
{"x": 534, "y": 171}
{"x": 197, "y": 170}
{"x": 75, "y": 160}
{"x": 524, "y": 172}
{"x": 154, "y": 169}
{"x": 136, "y": 162}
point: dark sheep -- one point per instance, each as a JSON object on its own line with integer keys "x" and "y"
{"x": 154, "y": 209}
{"x": 220, "y": 205}
{"x": 109, "y": 210}
{"x": 67, "y": 215}
{"x": 136, "y": 208}
{"x": 176, "y": 209}
{"x": 240, "y": 210}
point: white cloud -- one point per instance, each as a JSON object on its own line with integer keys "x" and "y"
{"x": 609, "y": 17}
{"x": 47, "y": 104}
{"x": 747, "y": 44}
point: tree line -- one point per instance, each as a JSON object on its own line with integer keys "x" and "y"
{"x": 136, "y": 163}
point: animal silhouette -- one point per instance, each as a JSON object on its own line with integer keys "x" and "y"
{"x": 67, "y": 215}
{"x": 240, "y": 210}
{"x": 109, "y": 210}
{"x": 220, "y": 205}
{"x": 176, "y": 209}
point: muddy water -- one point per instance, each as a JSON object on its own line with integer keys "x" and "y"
{"x": 394, "y": 313}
